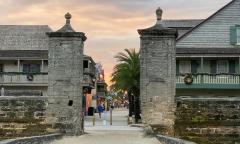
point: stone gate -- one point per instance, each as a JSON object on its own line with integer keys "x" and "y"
{"x": 65, "y": 79}
{"x": 157, "y": 75}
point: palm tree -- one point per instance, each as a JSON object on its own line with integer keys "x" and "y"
{"x": 126, "y": 77}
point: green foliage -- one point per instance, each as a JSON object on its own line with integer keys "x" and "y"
{"x": 126, "y": 74}
{"x": 11, "y": 115}
{"x": 126, "y": 78}
{"x": 29, "y": 114}
{"x": 198, "y": 119}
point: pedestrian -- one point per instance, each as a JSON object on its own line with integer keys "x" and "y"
{"x": 100, "y": 109}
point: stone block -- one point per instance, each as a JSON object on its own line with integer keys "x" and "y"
{"x": 5, "y": 108}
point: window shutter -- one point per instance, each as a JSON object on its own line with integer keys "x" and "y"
{"x": 232, "y": 66}
{"x": 213, "y": 66}
{"x": 222, "y": 66}
{"x": 233, "y": 35}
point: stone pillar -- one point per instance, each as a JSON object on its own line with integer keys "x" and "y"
{"x": 157, "y": 76}
{"x": 65, "y": 73}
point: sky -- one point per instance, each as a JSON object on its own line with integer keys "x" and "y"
{"x": 110, "y": 25}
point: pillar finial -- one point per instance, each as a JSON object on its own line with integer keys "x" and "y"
{"x": 67, "y": 27}
{"x": 159, "y": 14}
{"x": 68, "y": 16}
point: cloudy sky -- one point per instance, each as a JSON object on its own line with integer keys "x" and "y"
{"x": 110, "y": 25}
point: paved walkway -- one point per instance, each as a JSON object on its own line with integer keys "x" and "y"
{"x": 103, "y": 133}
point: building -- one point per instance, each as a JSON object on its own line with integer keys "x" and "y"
{"x": 208, "y": 55}
{"x": 208, "y": 79}
{"x": 100, "y": 91}
{"x": 24, "y": 65}
{"x": 24, "y": 61}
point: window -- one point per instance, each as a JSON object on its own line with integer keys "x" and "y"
{"x": 1, "y": 68}
{"x": 85, "y": 64}
{"x": 31, "y": 68}
{"x": 232, "y": 68}
{"x": 194, "y": 66}
{"x": 184, "y": 67}
{"x": 213, "y": 66}
{"x": 222, "y": 66}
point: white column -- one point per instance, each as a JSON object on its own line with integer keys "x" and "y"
{"x": 18, "y": 65}
{"x": 202, "y": 70}
{"x": 42, "y": 68}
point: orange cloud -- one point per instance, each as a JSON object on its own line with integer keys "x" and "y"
{"x": 110, "y": 25}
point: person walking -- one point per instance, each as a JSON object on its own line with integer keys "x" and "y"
{"x": 100, "y": 109}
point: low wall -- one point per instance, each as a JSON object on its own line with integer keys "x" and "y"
{"x": 45, "y": 139}
{"x": 171, "y": 140}
{"x": 22, "y": 116}
{"x": 208, "y": 120}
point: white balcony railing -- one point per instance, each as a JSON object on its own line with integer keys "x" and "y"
{"x": 22, "y": 79}
{"x": 211, "y": 78}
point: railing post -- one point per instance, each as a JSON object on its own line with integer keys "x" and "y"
{"x": 94, "y": 118}
{"x": 111, "y": 115}
{"x": 202, "y": 78}
{"x": 238, "y": 79}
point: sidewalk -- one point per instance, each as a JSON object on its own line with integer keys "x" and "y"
{"x": 103, "y": 133}
{"x": 119, "y": 121}
{"x": 119, "y": 118}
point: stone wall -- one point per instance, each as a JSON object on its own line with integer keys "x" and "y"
{"x": 208, "y": 120}
{"x": 44, "y": 139}
{"x": 22, "y": 116}
{"x": 171, "y": 140}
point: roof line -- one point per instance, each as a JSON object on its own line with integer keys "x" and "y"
{"x": 200, "y": 24}
{"x": 24, "y": 25}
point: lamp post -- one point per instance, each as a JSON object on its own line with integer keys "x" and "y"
{"x": 110, "y": 98}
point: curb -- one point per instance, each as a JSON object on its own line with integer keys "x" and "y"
{"x": 35, "y": 139}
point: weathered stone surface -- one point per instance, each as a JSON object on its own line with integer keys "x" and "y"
{"x": 65, "y": 73}
{"x": 171, "y": 140}
{"x": 18, "y": 118}
{"x": 45, "y": 139}
{"x": 208, "y": 120}
{"x": 157, "y": 76}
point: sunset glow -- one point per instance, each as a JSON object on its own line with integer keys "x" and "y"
{"x": 110, "y": 25}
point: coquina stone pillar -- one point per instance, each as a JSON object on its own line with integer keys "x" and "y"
{"x": 157, "y": 76}
{"x": 65, "y": 72}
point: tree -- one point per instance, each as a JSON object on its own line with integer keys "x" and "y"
{"x": 126, "y": 77}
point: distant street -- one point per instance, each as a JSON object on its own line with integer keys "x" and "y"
{"x": 103, "y": 133}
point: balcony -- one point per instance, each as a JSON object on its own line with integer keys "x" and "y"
{"x": 23, "y": 79}
{"x": 101, "y": 94}
{"x": 209, "y": 81}
{"x": 88, "y": 81}
{"x": 89, "y": 71}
